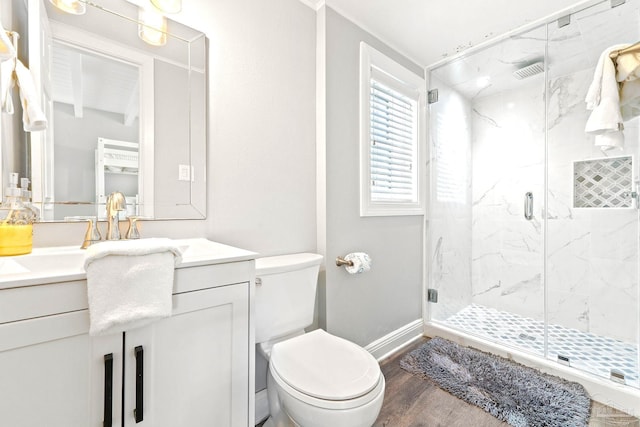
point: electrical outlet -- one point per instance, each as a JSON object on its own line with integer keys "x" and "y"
{"x": 184, "y": 173}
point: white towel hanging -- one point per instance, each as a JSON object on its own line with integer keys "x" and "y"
{"x": 33, "y": 118}
{"x": 603, "y": 99}
{"x": 129, "y": 283}
{"x": 7, "y": 50}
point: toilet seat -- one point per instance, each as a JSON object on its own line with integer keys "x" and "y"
{"x": 326, "y": 371}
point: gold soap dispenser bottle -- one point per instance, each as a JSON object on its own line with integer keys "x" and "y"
{"x": 16, "y": 221}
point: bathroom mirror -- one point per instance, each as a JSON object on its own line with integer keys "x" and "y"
{"x": 124, "y": 115}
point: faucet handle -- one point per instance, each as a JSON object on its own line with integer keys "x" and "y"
{"x": 133, "y": 232}
{"x": 92, "y": 235}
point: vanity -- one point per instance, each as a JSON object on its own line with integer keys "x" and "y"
{"x": 195, "y": 368}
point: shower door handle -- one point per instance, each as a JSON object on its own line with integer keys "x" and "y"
{"x": 528, "y": 205}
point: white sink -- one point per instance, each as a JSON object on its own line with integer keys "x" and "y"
{"x": 46, "y": 260}
{"x": 66, "y": 263}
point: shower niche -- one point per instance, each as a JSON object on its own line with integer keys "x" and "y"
{"x": 603, "y": 183}
{"x": 533, "y": 231}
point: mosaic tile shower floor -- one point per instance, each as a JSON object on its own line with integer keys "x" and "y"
{"x": 589, "y": 352}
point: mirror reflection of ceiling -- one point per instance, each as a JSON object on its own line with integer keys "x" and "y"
{"x": 84, "y": 80}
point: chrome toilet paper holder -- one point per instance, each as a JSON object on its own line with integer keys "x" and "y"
{"x": 340, "y": 261}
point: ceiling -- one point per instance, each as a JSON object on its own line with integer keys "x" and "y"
{"x": 84, "y": 80}
{"x": 429, "y": 30}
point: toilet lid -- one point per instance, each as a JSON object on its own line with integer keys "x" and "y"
{"x": 324, "y": 366}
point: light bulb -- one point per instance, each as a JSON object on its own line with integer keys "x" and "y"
{"x": 168, "y": 6}
{"x": 75, "y": 7}
{"x": 152, "y": 27}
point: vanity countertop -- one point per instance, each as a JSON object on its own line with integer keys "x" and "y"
{"x": 66, "y": 263}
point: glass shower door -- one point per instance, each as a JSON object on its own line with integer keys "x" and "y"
{"x": 592, "y": 239}
{"x": 487, "y": 193}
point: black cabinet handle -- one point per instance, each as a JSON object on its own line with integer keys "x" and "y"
{"x": 138, "y": 412}
{"x": 108, "y": 389}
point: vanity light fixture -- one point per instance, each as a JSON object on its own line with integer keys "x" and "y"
{"x": 152, "y": 26}
{"x": 168, "y": 6}
{"x": 75, "y": 7}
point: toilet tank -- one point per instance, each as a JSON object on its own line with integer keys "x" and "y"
{"x": 285, "y": 294}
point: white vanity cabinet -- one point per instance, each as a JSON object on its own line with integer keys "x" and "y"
{"x": 192, "y": 369}
{"x": 51, "y": 372}
{"x": 185, "y": 374}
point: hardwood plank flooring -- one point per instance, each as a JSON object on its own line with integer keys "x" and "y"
{"x": 413, "y": 402}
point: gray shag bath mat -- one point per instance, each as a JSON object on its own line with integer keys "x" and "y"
{"x": 517, "y": 394}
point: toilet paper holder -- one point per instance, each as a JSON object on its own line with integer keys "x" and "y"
{"x": 340, "y": 261}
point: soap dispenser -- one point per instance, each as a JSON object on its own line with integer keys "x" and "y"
{"x": 25, "y": 194}
{"x": 16, "y": 221}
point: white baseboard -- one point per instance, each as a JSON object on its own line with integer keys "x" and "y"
{"x": 262, "y": 406}
{"x": 395, "y": 340}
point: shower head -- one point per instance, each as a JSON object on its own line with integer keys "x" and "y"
{"x": 529, "y": 70}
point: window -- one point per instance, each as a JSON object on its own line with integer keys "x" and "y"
{"x": 391, "y": 118}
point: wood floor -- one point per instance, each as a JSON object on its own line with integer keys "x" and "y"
{"x": 413, "y": 402}
{"x": 410, "y": 401}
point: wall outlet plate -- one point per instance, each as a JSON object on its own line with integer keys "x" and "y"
{"x": 184, "y": 173}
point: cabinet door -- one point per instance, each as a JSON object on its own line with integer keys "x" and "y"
{"x": 52, "y": 373}
{"x": 195, "y": 364}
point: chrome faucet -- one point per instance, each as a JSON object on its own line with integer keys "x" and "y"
{"x": 115, "y": 203}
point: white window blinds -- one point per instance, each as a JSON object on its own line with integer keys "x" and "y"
{"x": 391, "y": 97}
{"x": 393, "y": 136}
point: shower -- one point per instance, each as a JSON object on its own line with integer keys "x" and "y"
{"x": 529, "y": 70}
{"x": 533, "y": 233}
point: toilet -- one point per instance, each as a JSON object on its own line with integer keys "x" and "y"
{"x": 314, "y": 379}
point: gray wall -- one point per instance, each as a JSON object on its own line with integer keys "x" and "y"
{"x": 361, "y": 308}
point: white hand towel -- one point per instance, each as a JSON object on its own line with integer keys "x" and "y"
{"x": 603, "y": 97}
{"x": 129, "y": 283}
{"x": 595, "y": 88}
{"x": 33, "y": 118}
{"x": 7, "y": 50}
{"x": 609, "y": 140}
{"x": 6, "y": 85}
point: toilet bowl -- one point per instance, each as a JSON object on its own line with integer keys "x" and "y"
{"x": 314, "y": 379}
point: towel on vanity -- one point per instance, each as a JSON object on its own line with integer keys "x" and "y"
{"x": 603, "y": 98}
{"x": 129, "y": 283}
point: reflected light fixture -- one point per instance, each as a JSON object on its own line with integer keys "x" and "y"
{"x": 75, "y": 7}
{"x": 168, "y": 6}
{"x": 152, "y": 26}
